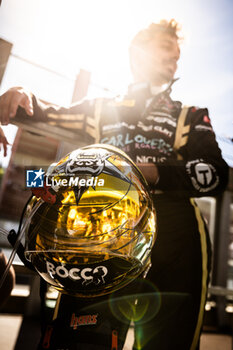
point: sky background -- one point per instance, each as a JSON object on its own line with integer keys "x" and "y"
{"x": 64, "y": 36}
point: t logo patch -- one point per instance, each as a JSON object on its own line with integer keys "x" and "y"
{"x": 203, "y": 174}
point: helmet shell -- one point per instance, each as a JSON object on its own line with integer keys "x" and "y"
{"x": 98, "y": 234}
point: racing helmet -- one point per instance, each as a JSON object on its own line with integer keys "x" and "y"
{"x": 94, "y": 224}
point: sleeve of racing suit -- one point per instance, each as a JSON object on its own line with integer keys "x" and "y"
{"x": 202, "y": 170}
{"x": 78, "y": 117}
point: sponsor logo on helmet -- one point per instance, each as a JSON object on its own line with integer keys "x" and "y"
{"x": 86, "y": 275}
{"x": 86, "y": 163}
{"x": 82, "y": 320}
{"x": 93, "y": 162}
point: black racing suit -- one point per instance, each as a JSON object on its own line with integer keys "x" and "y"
{"x": 182, "y": 144}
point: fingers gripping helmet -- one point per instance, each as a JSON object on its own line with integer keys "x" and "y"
{"x": 97, "y": 233}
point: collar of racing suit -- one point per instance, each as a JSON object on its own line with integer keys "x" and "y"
{"x": 146, "y": 90}
{"x": 143, "y": 93}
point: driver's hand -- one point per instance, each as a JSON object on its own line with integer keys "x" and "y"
{"x": 3, "y": 142}
{"x": 11, "y": 100}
